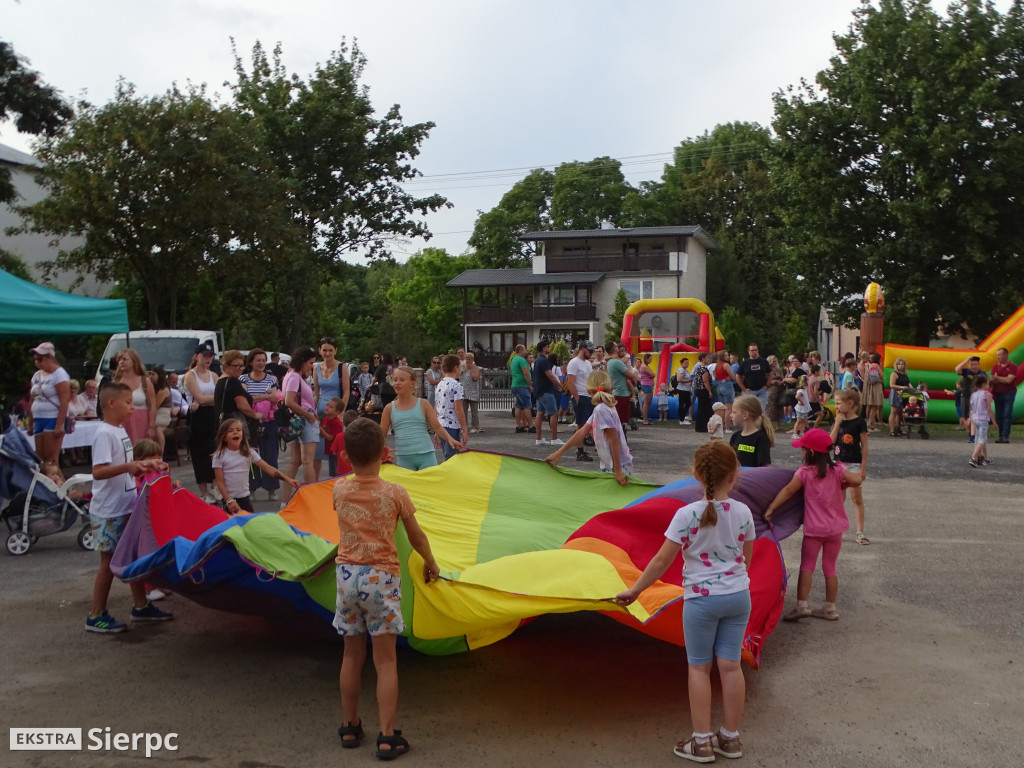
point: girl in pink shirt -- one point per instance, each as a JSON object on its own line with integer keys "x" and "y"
{"x": 823, "y": 483}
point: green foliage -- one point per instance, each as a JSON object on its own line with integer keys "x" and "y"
{"x": 522, "y": 209}
{"x": 577, "y": 195}
{"x": 586, "y": 193}
{"x": 157, "y": 188}
{"x": 901, "y": 164}
{"x": 561, "y": 350}
{"x": 437, "y": 310}
{"x": 739, "y": 330}
{"x": 796, "y": 336}
{"x": 613, "y": 328}
{"x": 343, "y": 166}
{"x": 38, "y": 108}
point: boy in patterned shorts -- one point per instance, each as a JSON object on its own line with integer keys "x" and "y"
{"x": 369, "y": 581}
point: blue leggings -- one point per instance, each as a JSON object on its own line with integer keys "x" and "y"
{"x": 715, "y": 626}
{"x": 416, "y": 461}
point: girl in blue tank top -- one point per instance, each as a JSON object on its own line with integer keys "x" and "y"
{"x": 409, "y": 416}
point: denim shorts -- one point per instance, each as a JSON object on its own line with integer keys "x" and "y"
{"x": 43, "y": 425}
{"x": 310, "y": 432}
{"x": 546, "y": 404}
{"x": 369, "y": 600}
{"x": 522, "y": 395}
{"x": 647, "y": 389}
{"x": 725, "y": 391}
{"x": 980, "y": 431}
{"x": 107, "y": 531}
{"x": 715, "y": 626}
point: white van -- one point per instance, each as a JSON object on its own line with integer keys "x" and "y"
{"x": 171, "y": 349}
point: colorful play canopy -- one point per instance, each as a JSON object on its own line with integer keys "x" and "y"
{"x": 515, "y": 538}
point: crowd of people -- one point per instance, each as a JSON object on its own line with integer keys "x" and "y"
{"x": 343, "y": 413}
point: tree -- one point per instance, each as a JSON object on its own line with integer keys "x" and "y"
{"x": 739, "y": 330}
{"x": 902, "y": 165}
{"x": 38, "y": 108}
{"x": 720, "y": 180}
{"x": 158, "y": 188}
{"x": 343, "y": 167}
{"x": 613, "y": 328}
{"x": 576, "y": 195}
{"x": 437, "y": 309}
{"x": 584, "y": 195}
{"x": 524, "y": 208}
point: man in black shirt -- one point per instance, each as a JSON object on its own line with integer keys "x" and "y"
{"x": 753, "y": 375}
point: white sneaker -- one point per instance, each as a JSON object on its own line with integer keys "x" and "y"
{"x": 728, "y": 431}
{"x": 271, "y": 495}
{"x": 687, "y": 422}
{"x": 155, "y": 594}
{"x": 542, "y": 441}
{"x": 556, "y": 441}
{"x": 209, "y": 498}
{"x": 473, "y": 431}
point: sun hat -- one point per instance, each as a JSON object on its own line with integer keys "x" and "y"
{"x": 719, "y": 406}
{"x": 815, "y": 439}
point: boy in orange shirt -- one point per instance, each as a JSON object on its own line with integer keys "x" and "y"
{"x": 369, "y": 581}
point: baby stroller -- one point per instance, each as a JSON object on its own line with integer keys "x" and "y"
{"x": 911, "y": 417}
{"x": 37, "y": 505}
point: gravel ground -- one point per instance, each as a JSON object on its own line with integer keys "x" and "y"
{"x": 923, "y": 668}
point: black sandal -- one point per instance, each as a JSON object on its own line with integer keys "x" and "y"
{"x": 399, "y": 746}
{"x": 355, "y": 731}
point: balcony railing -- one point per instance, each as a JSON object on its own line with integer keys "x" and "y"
{"x": 657, "y": 262}
{"x": 556, "y": 313}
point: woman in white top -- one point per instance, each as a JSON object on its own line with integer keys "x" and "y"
{"x": 201, "y": 382}
{"x": 51, "y": 398}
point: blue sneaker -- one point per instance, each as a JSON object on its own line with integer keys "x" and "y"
{"x": 104, "y": 623}
{"x": 150, "y": 613}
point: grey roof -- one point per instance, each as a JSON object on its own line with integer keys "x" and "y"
{"x": 486, "y": 278}
{"x": 16, "y": 157}
{"x": 631, "y": 232}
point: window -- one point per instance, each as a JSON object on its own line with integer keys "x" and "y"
{"x": 583, "y": 294}
{"x": 506, "y": 341}
{"x": 574, "y": 250}
{"x": 556, "y": 294}
{"x": 637, "y": 289}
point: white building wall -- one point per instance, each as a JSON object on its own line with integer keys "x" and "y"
{"x": 34, "y": 249}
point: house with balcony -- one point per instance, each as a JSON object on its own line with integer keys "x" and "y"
{"x": 569, "y": 290}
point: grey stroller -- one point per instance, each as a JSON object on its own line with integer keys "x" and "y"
{"x": 37, "y": 506}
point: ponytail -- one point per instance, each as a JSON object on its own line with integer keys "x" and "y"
{"x": 712, "y": 465}
{"x": 599, "y": 385}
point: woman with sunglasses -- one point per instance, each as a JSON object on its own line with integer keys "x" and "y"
{"x": 431, "y": 377}
{"x": 51, "y": 398}
{"x": 200, "y": 382}
{"x": 330, "y": 380}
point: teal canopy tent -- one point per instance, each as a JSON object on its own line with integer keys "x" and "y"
{"x": 27, "y": 309}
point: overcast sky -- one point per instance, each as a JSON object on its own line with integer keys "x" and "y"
{"x": 511, "y": 84}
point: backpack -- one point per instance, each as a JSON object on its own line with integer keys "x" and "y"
{"x": 874, "y": 374}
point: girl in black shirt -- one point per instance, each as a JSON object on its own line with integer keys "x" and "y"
{"x": 754, "y": 436}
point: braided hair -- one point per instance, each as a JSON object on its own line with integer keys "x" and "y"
{"x": 713, "y": 464}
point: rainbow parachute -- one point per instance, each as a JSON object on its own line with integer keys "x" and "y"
{"x": 514, "y": 537}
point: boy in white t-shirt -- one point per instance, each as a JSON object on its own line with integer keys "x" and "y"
{"x": 113, "y": 498}
{"x": 448, "y": 397}
{"x": 716, "y": 425}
